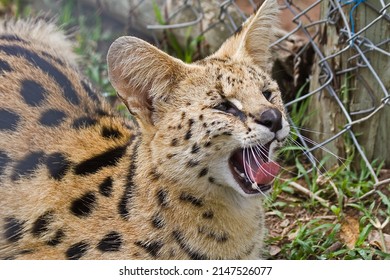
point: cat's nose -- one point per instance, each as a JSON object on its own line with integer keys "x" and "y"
{"x": 271, "y": 118}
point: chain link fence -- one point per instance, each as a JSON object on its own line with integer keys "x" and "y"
{"x": 311, "y": 66}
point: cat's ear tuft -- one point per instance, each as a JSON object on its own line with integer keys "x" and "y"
{"x": 253, "y": 40}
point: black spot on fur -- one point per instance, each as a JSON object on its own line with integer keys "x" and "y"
{"x": 58, "y": 165}
{"x": 162, "y": 198}
{"x": 103, "y": 113}
{"x": 105, "y": 188}
{"x": 9, "y": 257}
{"x": 211, "y": 180}
{"x": 109, "y": 132}
{"x": 52, "y": 117}
{"x": 192, "y": 163}
{"x": 77, "y": 251}
{"x": 13, "y": 229}
{"x": 84, "y": 205}
{"x": 208, "y": 215}
{"x": 83, "y": 122}
{"x": 4, "y": 161}
{"x": 122, "y": 207}
{"x": 188, "y": 135}
{"x": 217, "y": 237}
{"x": 11, "y": 38}
{"x": 169, "y": 156}
{"x": 195, "y": 148}
{"x": 207, "y": 144}
{"x": 130, "y": 185}
{"x": 56, "y": 59}
{"x": 94, "y": 164}
{"x": 203, "y": 172}
{"x": 174, "y": 142}
{"x": 25, "y": 252}
{"x": 154, "y": 174}
{"x": 60, "y": 78}
{"x": 111, "y": 242}
{"x": 219, "y": 89}
{"x": 41, "y": 225}
{"x": 194, "y": 255}
{"x": 91, "y": 93}
{"x": 27, "y": 165}
{"x": 33, "y": 93}
{"x": 158, "y": 221}
{"x": 191, "y": 199}
{"x": 151, "y": 247}
{"x": 217, "y": 59}
{"x": 4, "y": 66}
{"x": 57, "y": 239}
{"x": 8, "y": 120}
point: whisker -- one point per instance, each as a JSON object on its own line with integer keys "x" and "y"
{"x": 310, "y": 141}
{"x": 316, "y": 164}
{"x": 247, "y": 164}
{"x": 256, "y": 150}
{"x": 312, "y": 131}
{"x": 260, "y": 152}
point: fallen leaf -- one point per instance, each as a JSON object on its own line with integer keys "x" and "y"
{"x": 292, "y": 235}
{"x": 349, "y": 232}
{"x": 374, "y": 239}
{"x": 285, "y": 223}
{"x": 274, "y": 250}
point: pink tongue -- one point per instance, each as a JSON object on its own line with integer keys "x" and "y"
{"x": 265, "y": 173}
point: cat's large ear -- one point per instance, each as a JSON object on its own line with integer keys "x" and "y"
{"x": 142, "y": 75}
{"x": 252, "y": 41}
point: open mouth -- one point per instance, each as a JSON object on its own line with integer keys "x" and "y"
{"x": 252, "y": 169}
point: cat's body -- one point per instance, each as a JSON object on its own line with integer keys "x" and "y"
{"x": 79, "y": 182}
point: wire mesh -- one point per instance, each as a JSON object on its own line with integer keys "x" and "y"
{"x": 218, "y": 19}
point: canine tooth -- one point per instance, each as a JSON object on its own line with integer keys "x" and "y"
{"x": 239, "y": 173}
{"x": 254, "y": 186}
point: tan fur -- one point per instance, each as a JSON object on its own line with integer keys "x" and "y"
{"x": 166, "y": 192}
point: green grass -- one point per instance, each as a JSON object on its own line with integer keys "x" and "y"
{"x": 90, "y": 35}
{"x": 170, "y": 44}
{"x": 320, "y": 230}
{"x": 15, "y": 8}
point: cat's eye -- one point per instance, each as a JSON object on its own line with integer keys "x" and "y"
{"x": 227, "y": 107}
{"x": 267, "y": 94}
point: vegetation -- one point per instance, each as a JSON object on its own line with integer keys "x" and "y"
{"x": 170, "y": 43}
{"x": 313, "y": 213}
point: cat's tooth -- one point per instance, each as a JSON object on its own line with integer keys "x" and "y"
{"x": 254, "y": 186}
{"x": 242, "y": 175}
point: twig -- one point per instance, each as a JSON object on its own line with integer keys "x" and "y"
{"x": 374, "y": 189}
{"x": 309, "y": 193}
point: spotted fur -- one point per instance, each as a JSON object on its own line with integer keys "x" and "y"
{"x": 77, "y": 181}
